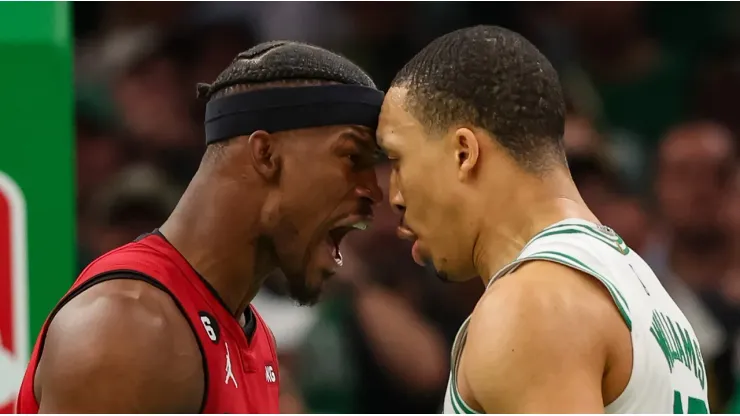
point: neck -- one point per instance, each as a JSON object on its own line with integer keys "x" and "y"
{"x": 535, "y": 203}
{"x": 229, "y": 255}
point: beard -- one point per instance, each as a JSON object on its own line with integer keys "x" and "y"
{"x": 294, "y": 268}
{"x": 294, "y": 284}
{"x": 301, "y": 290}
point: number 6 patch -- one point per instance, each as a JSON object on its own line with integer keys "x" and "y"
{"x": 210, "y": 325}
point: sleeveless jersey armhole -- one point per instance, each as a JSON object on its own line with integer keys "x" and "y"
{"x": 549, "y": 245}
{"x": 129, "y": 275}
{"x": 458, "y": 403}
{"x": 566, "y": 260}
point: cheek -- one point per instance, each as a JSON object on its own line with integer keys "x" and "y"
{"x": 430, "y": 206}
{"x": 310, "y": 197}
{"x": 434, "y": 209}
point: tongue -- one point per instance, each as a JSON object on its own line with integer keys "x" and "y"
{"x": 416, "y": 254}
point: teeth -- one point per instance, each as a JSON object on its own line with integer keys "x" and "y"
{"x": 362, "y": 225}
{"x": 338, "y": 257}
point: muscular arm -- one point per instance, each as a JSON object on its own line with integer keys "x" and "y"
{"x": 122, "y": 346}
{"x": 537, "y": 343}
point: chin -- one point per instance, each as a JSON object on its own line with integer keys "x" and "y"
{"x": 303, "y": 293}
{"x": 439, "y": 274}
{"x": 305, "y": 296}
{"x": 435, "y": 271}
{"x": 446, "y": 275}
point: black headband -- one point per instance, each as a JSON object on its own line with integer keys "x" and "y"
{"x": 290, "y": 108}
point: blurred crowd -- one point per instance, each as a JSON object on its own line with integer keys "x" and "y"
{"x": 651, "y": 136}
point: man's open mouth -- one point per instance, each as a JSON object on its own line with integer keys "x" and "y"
{"x": 337, "y": 233}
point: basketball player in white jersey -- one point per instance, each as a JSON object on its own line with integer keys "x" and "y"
{"x": 572, "y": 320}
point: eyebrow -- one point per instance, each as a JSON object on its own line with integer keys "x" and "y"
{"x": 363, "y": 140}
{"x": 367, "y": 143}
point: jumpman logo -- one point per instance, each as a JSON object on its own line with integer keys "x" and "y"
{"x": 229, "y": 373}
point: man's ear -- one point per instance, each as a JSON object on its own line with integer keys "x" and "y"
{"x": 265, "y": 154}
{"x": 467, "y": 151}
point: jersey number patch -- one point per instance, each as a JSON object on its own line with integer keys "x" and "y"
{"x": 210, "y": 325}
{"x": 270, "y": 374}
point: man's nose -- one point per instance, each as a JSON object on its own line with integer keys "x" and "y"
{"x": 396, "y": 199}
{"x": 368, "y": 188}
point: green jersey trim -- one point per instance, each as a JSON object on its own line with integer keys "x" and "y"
{"x": 612, "y": 240}
{"x": 569, "y": 261}
{"x": 458, "y": 404}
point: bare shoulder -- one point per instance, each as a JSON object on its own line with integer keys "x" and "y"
{"x": 120, "y": 346}
{"x": 536, "y": 335}
{"x": 555, "y": 294}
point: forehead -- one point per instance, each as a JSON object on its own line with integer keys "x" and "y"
{"x": 396, "y": 125}
{"x": 329, "y": 135}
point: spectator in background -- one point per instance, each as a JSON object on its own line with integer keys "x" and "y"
{"x": 99, "y": 156}
{"x": 152, "y": 77}
{"x": 381, "y": 39}
{"x": 638, "y": 80}
{"x": 694, "y": 167}
{"x": 719, "y": 85}
{"x": 154, "y": 98}
{"x": 692, "y": 252}
{"x": 600, "y": 184}
{"x": 731, "y": 219}
{"x": 726, "y": 302}
{"x": 617, "y": 72}
{"x": 605, "y": 193}
{"x": 127, "y": 14}
{"x": 213, "y": 46}
{"x": 135, "y": 201}
{"x": 581, "y": 138}
{"x": 147, "y": 86}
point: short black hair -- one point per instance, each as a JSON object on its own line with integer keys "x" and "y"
{"x": 286, "y": 62}
{"x": 492, "y": 78}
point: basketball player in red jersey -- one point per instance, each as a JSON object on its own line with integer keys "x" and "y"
{"x": 164, "y": 324}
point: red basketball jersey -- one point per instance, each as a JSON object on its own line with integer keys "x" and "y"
{"x": 241, "y": 374}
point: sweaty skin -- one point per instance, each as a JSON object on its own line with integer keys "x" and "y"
{"x": 540, "y": 361}
{"x": 121, "y": 346}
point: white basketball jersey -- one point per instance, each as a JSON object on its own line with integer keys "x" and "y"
{"x": 668, "y": 374}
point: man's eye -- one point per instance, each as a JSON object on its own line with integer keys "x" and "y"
{"x": 354, "y": 158}
{"x": 380, "y": 155}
